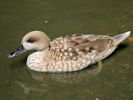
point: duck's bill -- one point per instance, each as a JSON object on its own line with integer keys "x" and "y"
{"x": 18, "y": 51}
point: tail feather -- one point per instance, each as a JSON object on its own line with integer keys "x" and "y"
{"x": 121, "y": 37}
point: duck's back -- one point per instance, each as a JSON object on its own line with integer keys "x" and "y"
{"x": 77, "y": 51}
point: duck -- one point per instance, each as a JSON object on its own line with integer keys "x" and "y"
{"x": 66, "y": 53}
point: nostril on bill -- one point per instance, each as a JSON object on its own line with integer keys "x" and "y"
{"x": 10, "y": 55}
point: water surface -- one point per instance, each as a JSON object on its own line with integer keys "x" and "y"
{"x": 62, "y": 17}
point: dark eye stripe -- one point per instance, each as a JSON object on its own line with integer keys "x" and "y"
{"x": 31, "y": 40}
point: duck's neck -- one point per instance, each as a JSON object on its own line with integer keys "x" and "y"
{"x": 36, "y": 61}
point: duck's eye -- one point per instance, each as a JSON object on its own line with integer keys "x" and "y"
{"x": 31, "y": 40}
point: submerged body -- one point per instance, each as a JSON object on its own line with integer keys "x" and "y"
{"x": 69, "y": 53}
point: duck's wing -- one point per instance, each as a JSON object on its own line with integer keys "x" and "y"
{"x": 75, "y": 46}
{"x": 87, "y": 43}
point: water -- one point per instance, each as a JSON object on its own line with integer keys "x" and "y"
{"x": 63, "y": 17}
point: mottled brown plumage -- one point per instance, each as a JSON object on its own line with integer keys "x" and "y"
{"x": 69, "y": 53}
{"x": 79, "y": 45}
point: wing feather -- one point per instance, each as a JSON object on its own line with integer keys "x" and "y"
{"x": 78, "y": 45}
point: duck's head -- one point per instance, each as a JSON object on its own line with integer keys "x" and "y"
{"x": 35, "y": 40}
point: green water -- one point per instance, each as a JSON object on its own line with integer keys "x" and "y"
{"x": 62, "y": 17}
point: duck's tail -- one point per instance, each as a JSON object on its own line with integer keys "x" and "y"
{"x": 121, "y": 37}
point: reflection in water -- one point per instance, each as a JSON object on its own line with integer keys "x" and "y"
{"x": 68, "y": 77}
{"x": 61, "y": 78}
{"x": 28, "y": 90}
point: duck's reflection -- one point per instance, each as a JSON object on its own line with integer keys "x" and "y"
{"x": 68, "y": 77}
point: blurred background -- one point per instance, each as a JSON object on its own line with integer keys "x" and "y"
{"x": 63, "y": 17}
